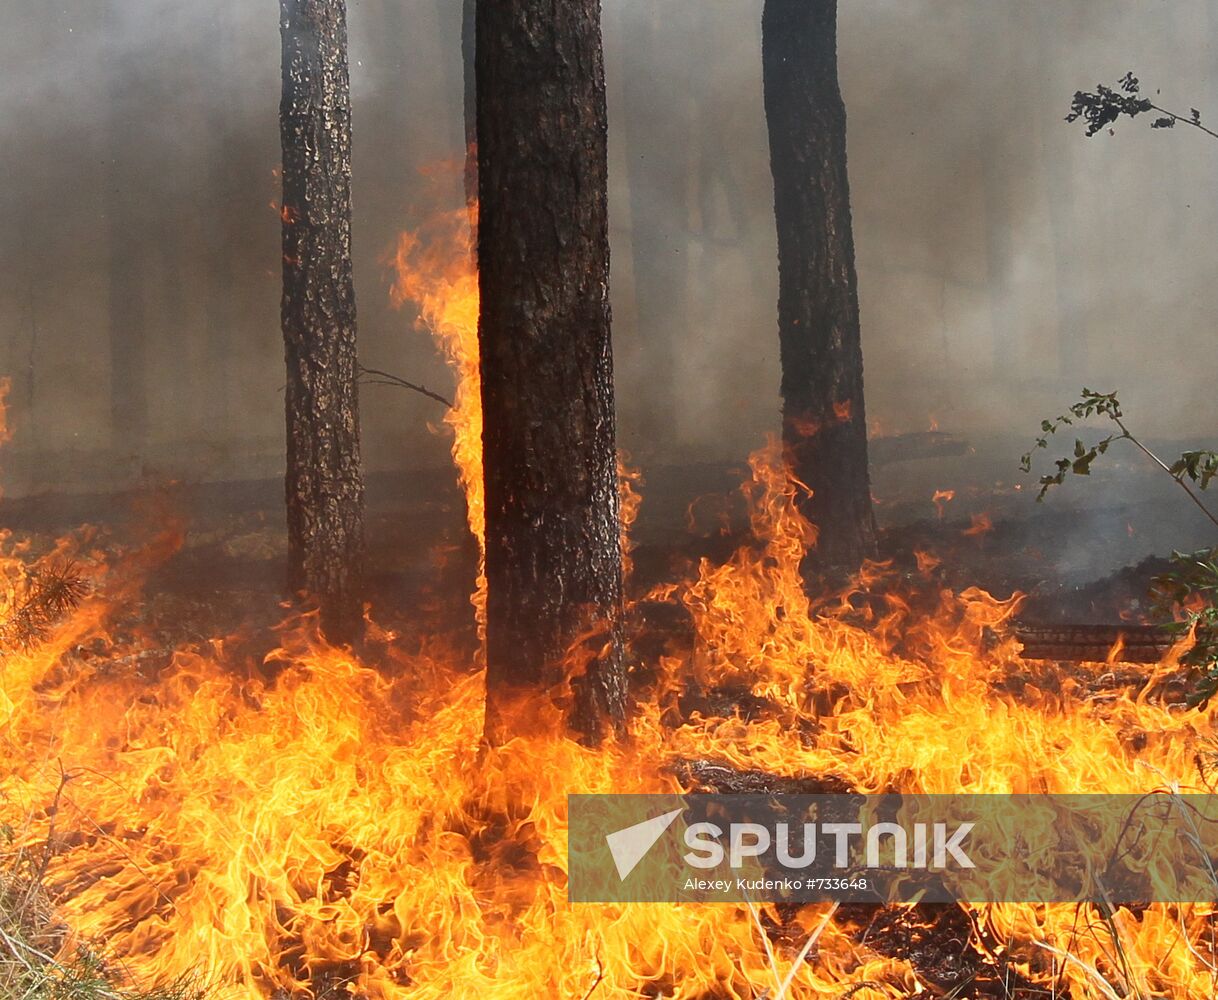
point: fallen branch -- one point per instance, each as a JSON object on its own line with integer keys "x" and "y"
{"x": 713, "y": 776}
{"x": 915, "y": 446}
{"x": 1093, "y": 643}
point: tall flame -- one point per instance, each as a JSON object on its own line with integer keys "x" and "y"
{"x": 435, "y": 269}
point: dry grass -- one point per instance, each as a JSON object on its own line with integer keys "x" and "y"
{"x": 41, "y": 960}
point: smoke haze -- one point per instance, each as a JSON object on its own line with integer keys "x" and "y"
{"x": 1004, "y": 259}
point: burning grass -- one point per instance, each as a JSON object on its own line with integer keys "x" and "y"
{"x": 40, "y": 959}
{"x": 308, "y": 823}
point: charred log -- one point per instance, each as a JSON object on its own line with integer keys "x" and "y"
{"x": 824, "y": 423}
{"x": 916, "y": 446}
{"x": 715, "y": 776}
{"x": 725, "y": 702}
{"x": 324, "y": 484}
{"x": 1093, "y": 643}
{"x": 946, "y": 948}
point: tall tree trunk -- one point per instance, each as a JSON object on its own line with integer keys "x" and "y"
{"x": 324, "y": 482}
{"x": 553, "y": 553}
{"x": 220, "y": 226}
{"x": 824, "y": 424}
{"x": 129, "y": 260}
{"x": 658, "y": 170}
{"x": 1059, "y": 162}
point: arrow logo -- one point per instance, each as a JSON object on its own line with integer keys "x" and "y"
{"x": 628, "y": 846}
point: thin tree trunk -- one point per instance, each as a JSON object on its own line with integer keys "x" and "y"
{"x": 553, "y": 554}
{"x": 658, "y": 162}
{"x": 128, "y": 257}
{"x": 999, "y": 189}
{"x": 469, "y": 18}
{"x": 824, "y": 424}
{"x": 324, "y": 482}
{"x": 220, "y": 232}
{"x": 1060, "y": 164}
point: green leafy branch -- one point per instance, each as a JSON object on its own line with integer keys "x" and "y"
{"x": 1196, "y": 467}
{"x": 1100, "y": 108}
{"x": 1187, "y": 597}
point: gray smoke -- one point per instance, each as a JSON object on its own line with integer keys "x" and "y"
{"x": 1005, "y": 260}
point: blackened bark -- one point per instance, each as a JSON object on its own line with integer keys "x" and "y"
{"x": 324, "y": 482}
{"x": 553, "y": 553}
{"x": 824, "y": 424}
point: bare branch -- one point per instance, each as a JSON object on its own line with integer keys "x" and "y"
{"x": 374, "y": 376}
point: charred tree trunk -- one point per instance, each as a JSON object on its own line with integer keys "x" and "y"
{"x": 553, "y": 553}
{"x": 824, "y": 425}
{"x": 324, "y": 482}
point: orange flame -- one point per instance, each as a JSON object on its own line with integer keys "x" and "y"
{"x": 307, "y": 823}
{"x": 629, "y": 479}
{"x": 941, "y": 499}
{"x": 303, "y": 820}
{"x": 434, "y": 269}
{"x": 982, "y": 524}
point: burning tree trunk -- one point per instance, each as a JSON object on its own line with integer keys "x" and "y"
{"x": 553, "y": 553}
{"x": 324, "y": 483}
{"x": 824, "y": 426}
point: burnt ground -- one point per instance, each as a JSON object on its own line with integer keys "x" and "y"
{"x": 1086, "y": 555}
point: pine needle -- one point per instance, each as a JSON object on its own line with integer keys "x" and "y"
{"x": 40, "y": 602}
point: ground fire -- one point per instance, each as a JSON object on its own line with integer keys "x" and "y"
{"x": 331, "y": 717}
{"x": 315, "y": 821}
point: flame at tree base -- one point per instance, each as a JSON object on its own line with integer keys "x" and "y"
{"x": 309, "y": 824}
{"x": 313, "y": 823}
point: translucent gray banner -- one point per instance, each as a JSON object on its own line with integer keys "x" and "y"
{"x": 1115, "y": 849}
